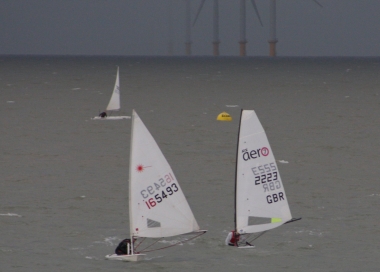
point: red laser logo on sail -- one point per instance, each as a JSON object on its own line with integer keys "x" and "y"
{"x": 140, "y": 168}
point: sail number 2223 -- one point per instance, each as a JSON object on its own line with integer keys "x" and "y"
{"x": 267, "y": 173}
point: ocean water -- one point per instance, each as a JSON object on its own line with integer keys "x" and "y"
{"x": 64, "y": 190}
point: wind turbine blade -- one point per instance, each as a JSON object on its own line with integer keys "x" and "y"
{"x": 199, "y": 11}
{"x": 257, "y": 11}
{"x": 319, "y": 4}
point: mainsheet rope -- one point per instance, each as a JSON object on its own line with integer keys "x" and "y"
{"x": 184, "y": 241}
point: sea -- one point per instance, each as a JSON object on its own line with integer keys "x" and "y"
{"x": 64, "y": 177}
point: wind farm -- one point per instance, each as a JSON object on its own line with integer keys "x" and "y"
{"x": 242, "y": 23}
{"x": 166, "y": 27}
{"x": 272, "y": 38}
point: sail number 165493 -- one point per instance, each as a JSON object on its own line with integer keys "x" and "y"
{"x": 158, "y": 198}
{"x": 160, "y": 190}
{"x": 161, "y": 183}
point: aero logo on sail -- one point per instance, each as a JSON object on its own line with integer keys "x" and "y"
{"x": 254, "y": 154}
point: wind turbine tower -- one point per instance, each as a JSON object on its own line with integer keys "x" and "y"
{"x": 188, "y": 28}
{"x": 215, "y": 25}
{"x": 170, "y": 28}
{"x": 215, "y": 40}
{"x": 243, "y": 39}
{"x": 272, "y": 27}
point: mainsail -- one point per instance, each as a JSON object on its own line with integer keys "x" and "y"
{"x": 157, "y": 205}
{"x": 261, "y": 203}
{"x": 114, "y": 104}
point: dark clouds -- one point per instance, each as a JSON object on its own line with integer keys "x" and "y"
{"x": 140, "y": 27}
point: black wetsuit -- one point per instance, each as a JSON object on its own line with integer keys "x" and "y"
{"x": 122, "y": 248}
{"x": 103, "y": 114}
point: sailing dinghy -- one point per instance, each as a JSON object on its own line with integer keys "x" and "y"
{"x": 260, "y": 200}
{"x": 114, "y": 104}
{"x": 157, "y": 205}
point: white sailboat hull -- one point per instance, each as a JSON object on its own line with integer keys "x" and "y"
{"x": 126, "y": 258}
{"x": 245, "y": 247}
{"x": 111, "y": 118}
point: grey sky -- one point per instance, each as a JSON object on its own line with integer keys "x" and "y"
{"x": 140, "y": 27}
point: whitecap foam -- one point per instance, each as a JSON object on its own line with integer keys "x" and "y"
{"x": 282, "y": 161}
{"x": 76, "y": 248}
{"x": 155, "y": 257}
{"x": 110, "y": 240}
{"x": 10, "y": 214}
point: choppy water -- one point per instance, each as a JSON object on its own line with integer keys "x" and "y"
{"x": 64, "y": 177}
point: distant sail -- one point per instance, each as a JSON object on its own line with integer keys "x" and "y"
{"x": 114, "y": 104}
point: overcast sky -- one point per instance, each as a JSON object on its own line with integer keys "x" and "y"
{"x": 140, "y": 27}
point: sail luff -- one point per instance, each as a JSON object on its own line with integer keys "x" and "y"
{"x": 129, "y": 183}
{"x": 236, "y": 167}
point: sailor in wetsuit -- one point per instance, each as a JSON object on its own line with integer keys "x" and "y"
{"x": 103, "y": 114}
{"x": 122, "y": 248}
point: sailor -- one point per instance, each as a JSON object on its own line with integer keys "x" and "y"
{"x": 232, "y": 238}
{"x": 124, "y": 247}
{"x": 103, "y": 114}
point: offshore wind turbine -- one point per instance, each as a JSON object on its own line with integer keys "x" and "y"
{"x": 272, "y": 27}
{"x": 243, "y": 39}
{"x": 215, "y": 28}
{"x": 170, "y": 28}
{"x": 216, "y": 40}
{"x": 188, "y": 28}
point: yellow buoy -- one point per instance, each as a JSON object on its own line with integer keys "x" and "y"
{"x": 224, "y": 116}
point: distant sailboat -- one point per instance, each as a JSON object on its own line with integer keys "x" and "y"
{"x": 260, "y": 200}
{"x": 157, "y": 205}
{"x": 114, "y": 104}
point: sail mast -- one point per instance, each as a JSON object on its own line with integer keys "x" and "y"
{"x": 130, "y": 180}
{"x": 236, "y": 163}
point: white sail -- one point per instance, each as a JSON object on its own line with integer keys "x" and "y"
{"x": 261, "y": 203}
{"x": 157, "y": 206}
{"x": 114, "y": 103}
